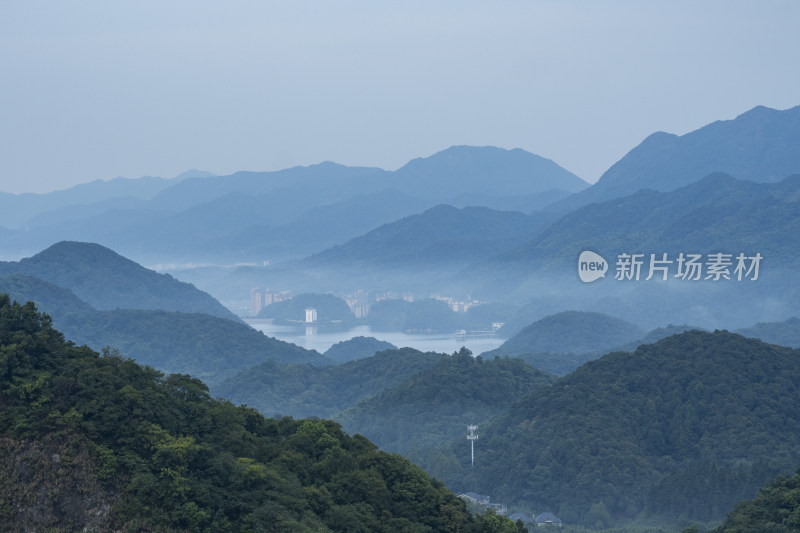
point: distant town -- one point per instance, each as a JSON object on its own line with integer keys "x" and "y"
{"x": 359, "y": 301}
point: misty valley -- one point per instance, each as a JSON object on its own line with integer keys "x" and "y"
{"x": 478, "y": 341}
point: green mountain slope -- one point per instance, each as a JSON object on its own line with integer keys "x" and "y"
{"x": 688, "y": 425}
{"x": 437, "y": 405}
{"x": 203, "y": 346}
{"x": 100, "y": 443}
{"x": 303, "y": 390}
{"x": 562, "y": 342}
{"x": 357, "y": 348}
{"x": 50, "y": 298}
{"x": 776, "y": 509}
{"x": 210, "y": 348}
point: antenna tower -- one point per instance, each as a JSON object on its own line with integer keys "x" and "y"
{"x": 472, "y": 437}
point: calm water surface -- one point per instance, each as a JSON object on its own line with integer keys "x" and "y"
{"x": 313, "y": 339}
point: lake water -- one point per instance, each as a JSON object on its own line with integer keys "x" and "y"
{"x": 313, "y": 339}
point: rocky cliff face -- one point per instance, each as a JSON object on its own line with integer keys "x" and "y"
{"x": 51, "y": 483}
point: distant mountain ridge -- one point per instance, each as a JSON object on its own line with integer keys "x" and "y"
{"x": 483, "y": 169}
{"x": 716, "y": 213}
{"x": 786, "y": 333}
{"x": 442, "y": 234}
{"x": 761, "y": 145}
{"x": 281, "y": 207}
{"x": 332, "y": 180}
{"x": 16, "y": 208}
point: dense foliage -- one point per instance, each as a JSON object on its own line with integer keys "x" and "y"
{"x": 304, "y": 390}
{"x": 164, "y": 456}
{"x": 683, "y": 427}
{"x": 357, "y": 348}
{"x": 204, "y": 346}
{"x": 435, "y": 406}
{"x": 776, "y": 509}
{"x": 106, "y": 280}
{"x": 54, "y": 300}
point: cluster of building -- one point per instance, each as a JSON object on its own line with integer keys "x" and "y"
{"x": 542, "y": 519}
{"x": 359, "y": 301}
{"x": 260, "y": 298}
{"x": 457, "y": 306}
{"x": 391, "y": 295}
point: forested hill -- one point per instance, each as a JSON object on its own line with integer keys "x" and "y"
{"x": 357, "y": 348}
{"x": 329, "y": 309}
{"x": 106, "y": 280}
{"x": 561, "y": 342}
{"x": 303, "y": 390}
{"x": 776, "y": 509}
{"x": 207, "y": 347}
{"x": 437, "y": 405}
{"x": 686, "y": 426}
{"x": 100, "y": 443}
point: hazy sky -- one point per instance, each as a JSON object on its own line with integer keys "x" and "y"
{"x": 98, "y": 89}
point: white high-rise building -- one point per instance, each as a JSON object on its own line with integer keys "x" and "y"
{"x": 311, "y": 315}
{"x": 359, "y": 303}
{"x": 256, "y": 300}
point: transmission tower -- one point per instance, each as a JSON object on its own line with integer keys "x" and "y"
{"x": 472, "y": 437}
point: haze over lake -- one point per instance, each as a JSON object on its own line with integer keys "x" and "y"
{"x": 312, "y": 339}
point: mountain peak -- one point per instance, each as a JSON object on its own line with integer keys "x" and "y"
{"x": 106, "y": 280}
{"x": 760, "y": 111}
{"x": 193, "y": 173}
{"x": 74, "y": 249}
{"x": 486, "y": 170}
{"x": 761, "y": 145}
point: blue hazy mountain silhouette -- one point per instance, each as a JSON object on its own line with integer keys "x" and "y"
{"x": 761, "y": 145}
{"x": 106, "y": 280}
{"x": 202, "y": 218}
